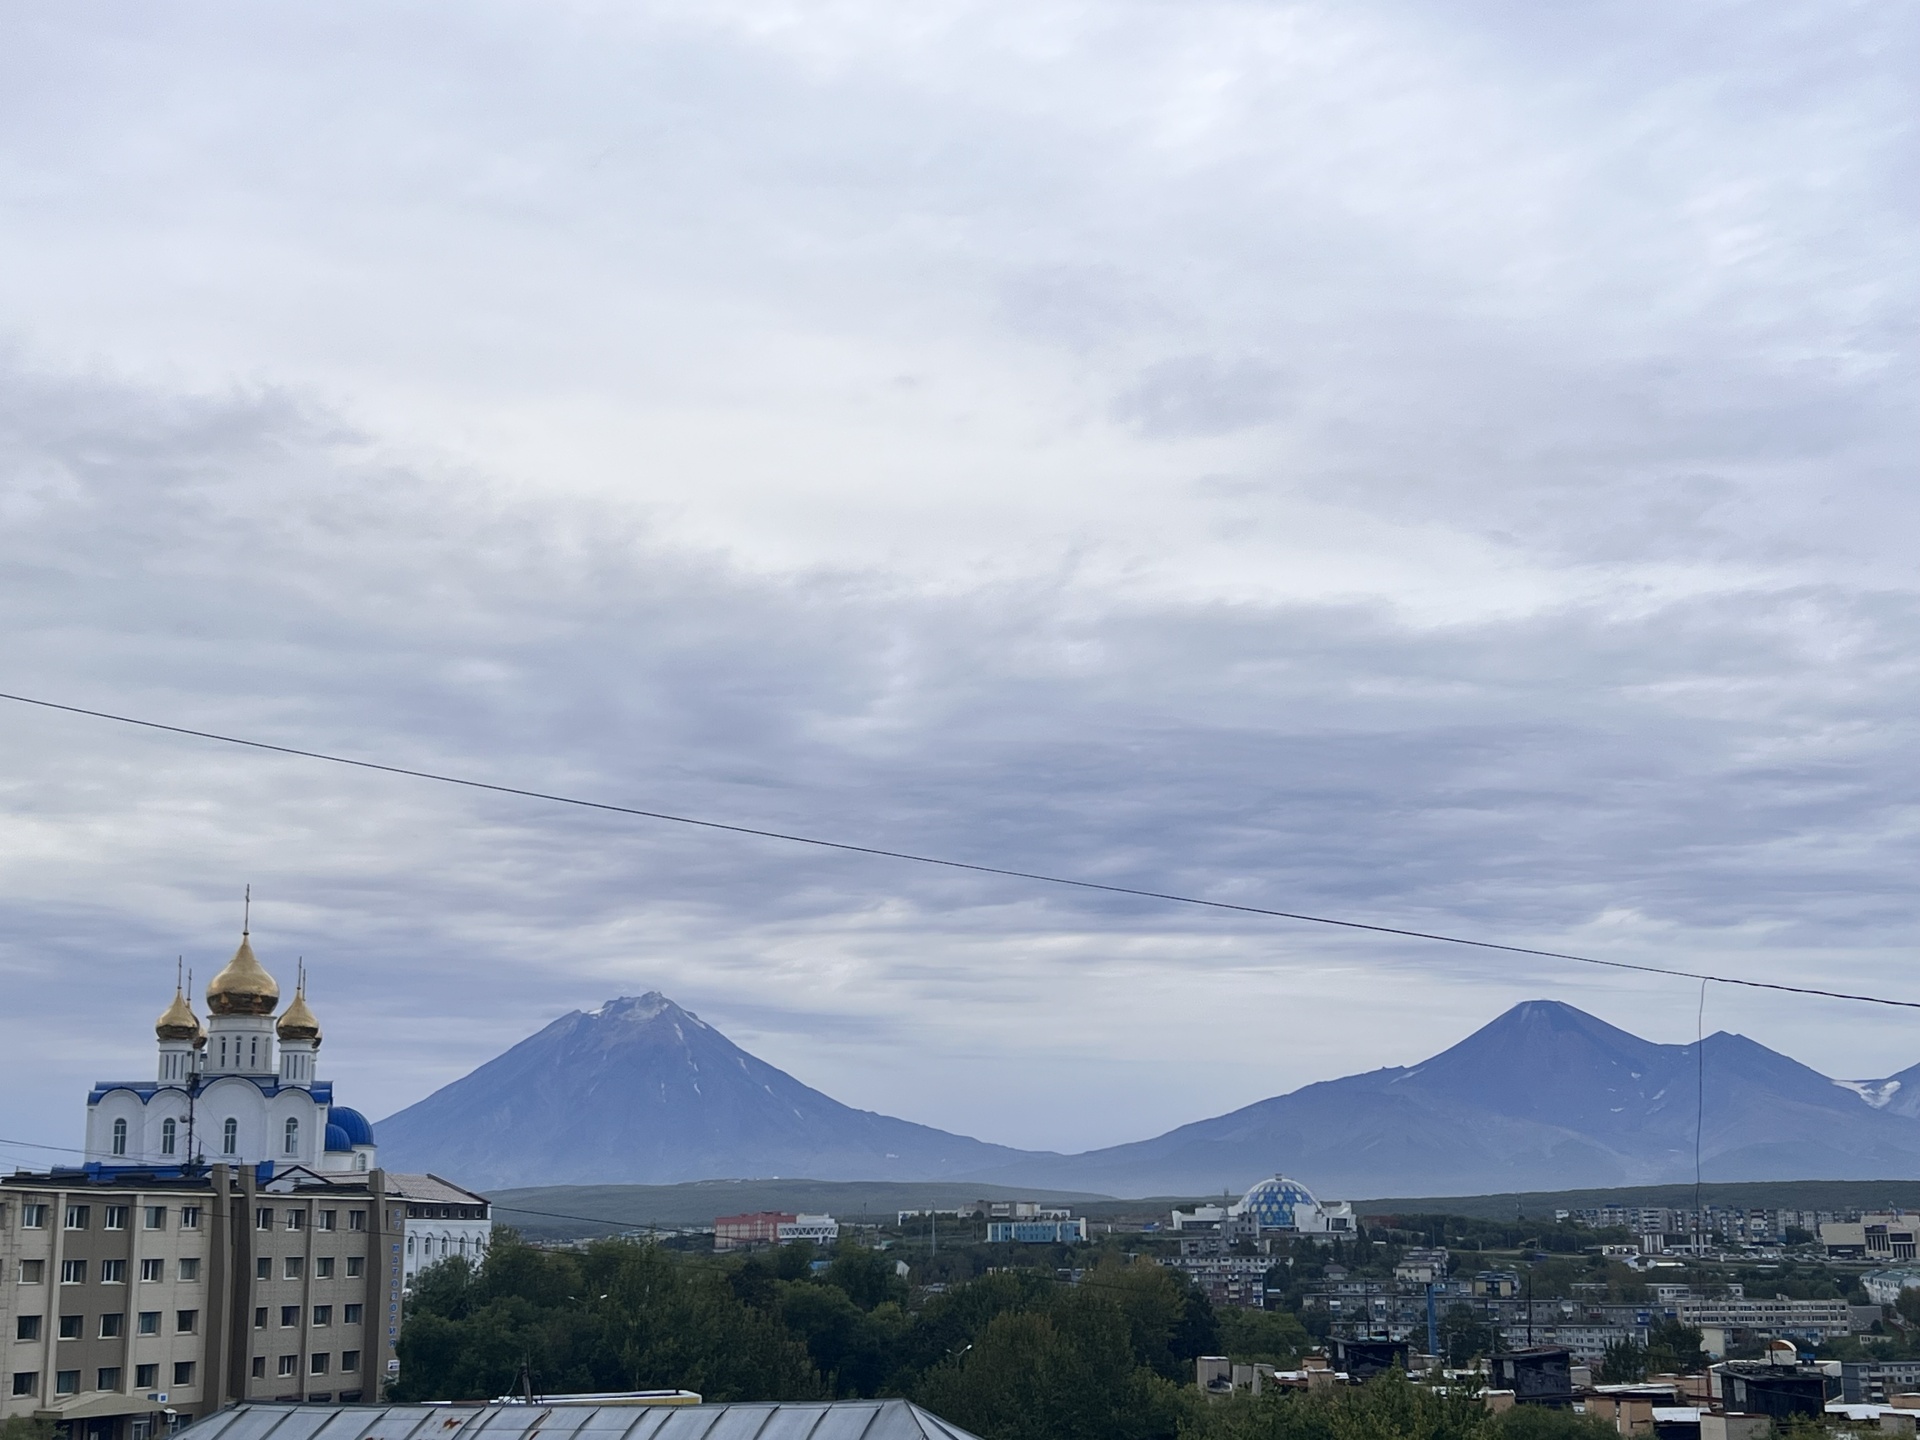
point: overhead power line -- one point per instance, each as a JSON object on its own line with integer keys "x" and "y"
{"x": 846, "y": 847}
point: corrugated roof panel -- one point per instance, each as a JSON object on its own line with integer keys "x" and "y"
{"x": 785, "y": 1420}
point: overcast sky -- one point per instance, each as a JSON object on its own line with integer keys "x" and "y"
{"x": 1449, "y": 466}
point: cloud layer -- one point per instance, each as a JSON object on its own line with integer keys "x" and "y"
{"x": 1443, "y": 472}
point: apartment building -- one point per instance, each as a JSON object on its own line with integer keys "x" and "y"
{"x": 128, "y": 1300}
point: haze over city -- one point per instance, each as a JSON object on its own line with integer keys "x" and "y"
{"x": 1448, "y": 468}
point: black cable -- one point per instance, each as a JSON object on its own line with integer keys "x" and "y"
{"x": 977, "y": 869}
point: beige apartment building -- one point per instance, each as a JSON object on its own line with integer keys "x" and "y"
{"x": 230, "y": 1235}
{"x": 130, "y": 1306}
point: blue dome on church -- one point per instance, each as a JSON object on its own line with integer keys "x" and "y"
{"x": 1272, "y": 1202}
{"x": 337, "y": 1141}
{"x": 350, "y": 1123}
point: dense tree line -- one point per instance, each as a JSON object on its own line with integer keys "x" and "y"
{"x": 1010, "y": 1356}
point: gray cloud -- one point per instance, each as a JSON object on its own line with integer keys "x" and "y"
{"x": 1443, "y": 469}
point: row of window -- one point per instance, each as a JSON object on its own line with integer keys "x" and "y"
{"x": 229, "y": 1136}
{"x": 318, "y": 1363}
{"x": 112, "y": 1325}
{"x": 107, "y": 1377}
{"x": 263, "y": 1219}
{"x": 33, "y": 1216}
{"x": 446, "y": 1245}
{"x": 322, "y": 1315}
{"x": 293, "y": 1266}
{"x": 112, "y": 1272}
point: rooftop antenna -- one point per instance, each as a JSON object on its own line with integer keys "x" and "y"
{"x": 246, "y": 912}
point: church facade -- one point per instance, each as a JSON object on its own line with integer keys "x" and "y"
{"x": 238, "y": 1090}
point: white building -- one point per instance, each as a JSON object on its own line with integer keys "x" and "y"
{"x": 240, "y": 1090}
{"x": 442, "y": 1221}
{"x": 820, "y": 1229}
{"x": 1278, "y": 1204}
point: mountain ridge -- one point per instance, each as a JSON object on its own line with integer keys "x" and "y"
{"x": 1543, "y": 1097}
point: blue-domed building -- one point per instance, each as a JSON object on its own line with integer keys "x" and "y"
{"x": 1279, "y": 1204}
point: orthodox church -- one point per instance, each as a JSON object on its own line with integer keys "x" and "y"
{"x": 238, "y": 1090}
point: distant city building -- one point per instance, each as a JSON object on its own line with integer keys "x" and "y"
{"x": 1279, "y": 1204}
{"x": 1813, "y": 1320}
{"x": 1037, "y": 1232}
{"x": 820, "y": 1229}
{"x": 1883, "y": 1287}
{"x": 737, "y": 1232}
{"x": 1421, "y": 1267}
{"x": 442, "y": 1221}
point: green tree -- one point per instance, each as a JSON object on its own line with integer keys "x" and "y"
{"x": 1273, "y": 1336}
{"x": 1624, "y": 1363}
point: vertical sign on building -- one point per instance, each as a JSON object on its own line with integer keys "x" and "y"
{"x": 393, "y": 1311}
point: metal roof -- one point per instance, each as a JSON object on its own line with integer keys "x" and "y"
{"x": 430, "y": 1189}
{"x": 759, "y": 1420}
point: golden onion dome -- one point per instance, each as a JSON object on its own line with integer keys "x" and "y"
{"x": 244, "y": 987}
{"x": 178, "y": 1022}
{"x": 297, "y": 1022}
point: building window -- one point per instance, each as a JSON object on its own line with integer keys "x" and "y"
{"x": 156, "y": 1217}
{"x": 73, "y": 1272}
{"x": 409, "y": 1244}
{"x": 112, "y": 1325}
{"x": 356, "y": 1219}
{"x": 327, "y": 1219}
{"x": 188, "y": 1269}
{"x": 76, "y": 1217}
{"x": 360, "y": 1160}
{"x": 293, "y": 1267}
{"x": 148, "y": 1323}
{"x": 253, "y": 1053}
{"x": 183, "y": 1372}
{"x": 32, "y": 1272}
{"x": 146, "y": 1377}
{"x": 33, "y": 1217}
{"x": 26, "y": 1327}
{"x": 350, "y": 1314}
{"x": 259, "y": 1367}
{"x": 169, "y": 1134}
{"x": 293, "y": 1136}
{"x": 319, "y": 1364}
{"x": 289, "y": 1316}
{"x": 119, "y": 1137}
{"x": 115, "y": 1217}
{"x": 323, "y": 1267}
{"x": 71, "y": 1326}
{"x": 230, "y": 1137}
{"x": 189, "y": 1217}
{"x": 296, "y": 1219}
{"x": 323, "y": 1315}
{"x": 263, "y": 1219}
{"x": 107, "y": 1378}
{"x": 355, "y": 1264}
{"x": 26, "y": 1382}
{"x": 349, "y": 1362}
{"x": 186, "y": 1322}
{"x": 113, "y": 1272}
{"x": 152, "y": 1271}
{"x": 289, "y": 1364}
{"x": 260, "y": 1317}
{"x": 223, "y": 1052}
{"x": 66, "y": 1382}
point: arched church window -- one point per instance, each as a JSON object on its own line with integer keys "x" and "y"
{"x": 253, "y": 1054}
{"x": 230, "y": 1137}
{"x": 360, "y": 1161}
{"x": 168, "y": 1130}
{"x": 409, "y": 1244}
{"x": 223, "y": 1052}
{"x": 293, "y": 1136}
{"x": 119, "y": 1137}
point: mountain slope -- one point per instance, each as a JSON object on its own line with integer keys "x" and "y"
{"x": 644, "y": 1092}
{"x": 1546, "y": 1096}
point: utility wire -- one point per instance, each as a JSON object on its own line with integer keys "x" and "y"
{"x": 1037, "y": 876}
